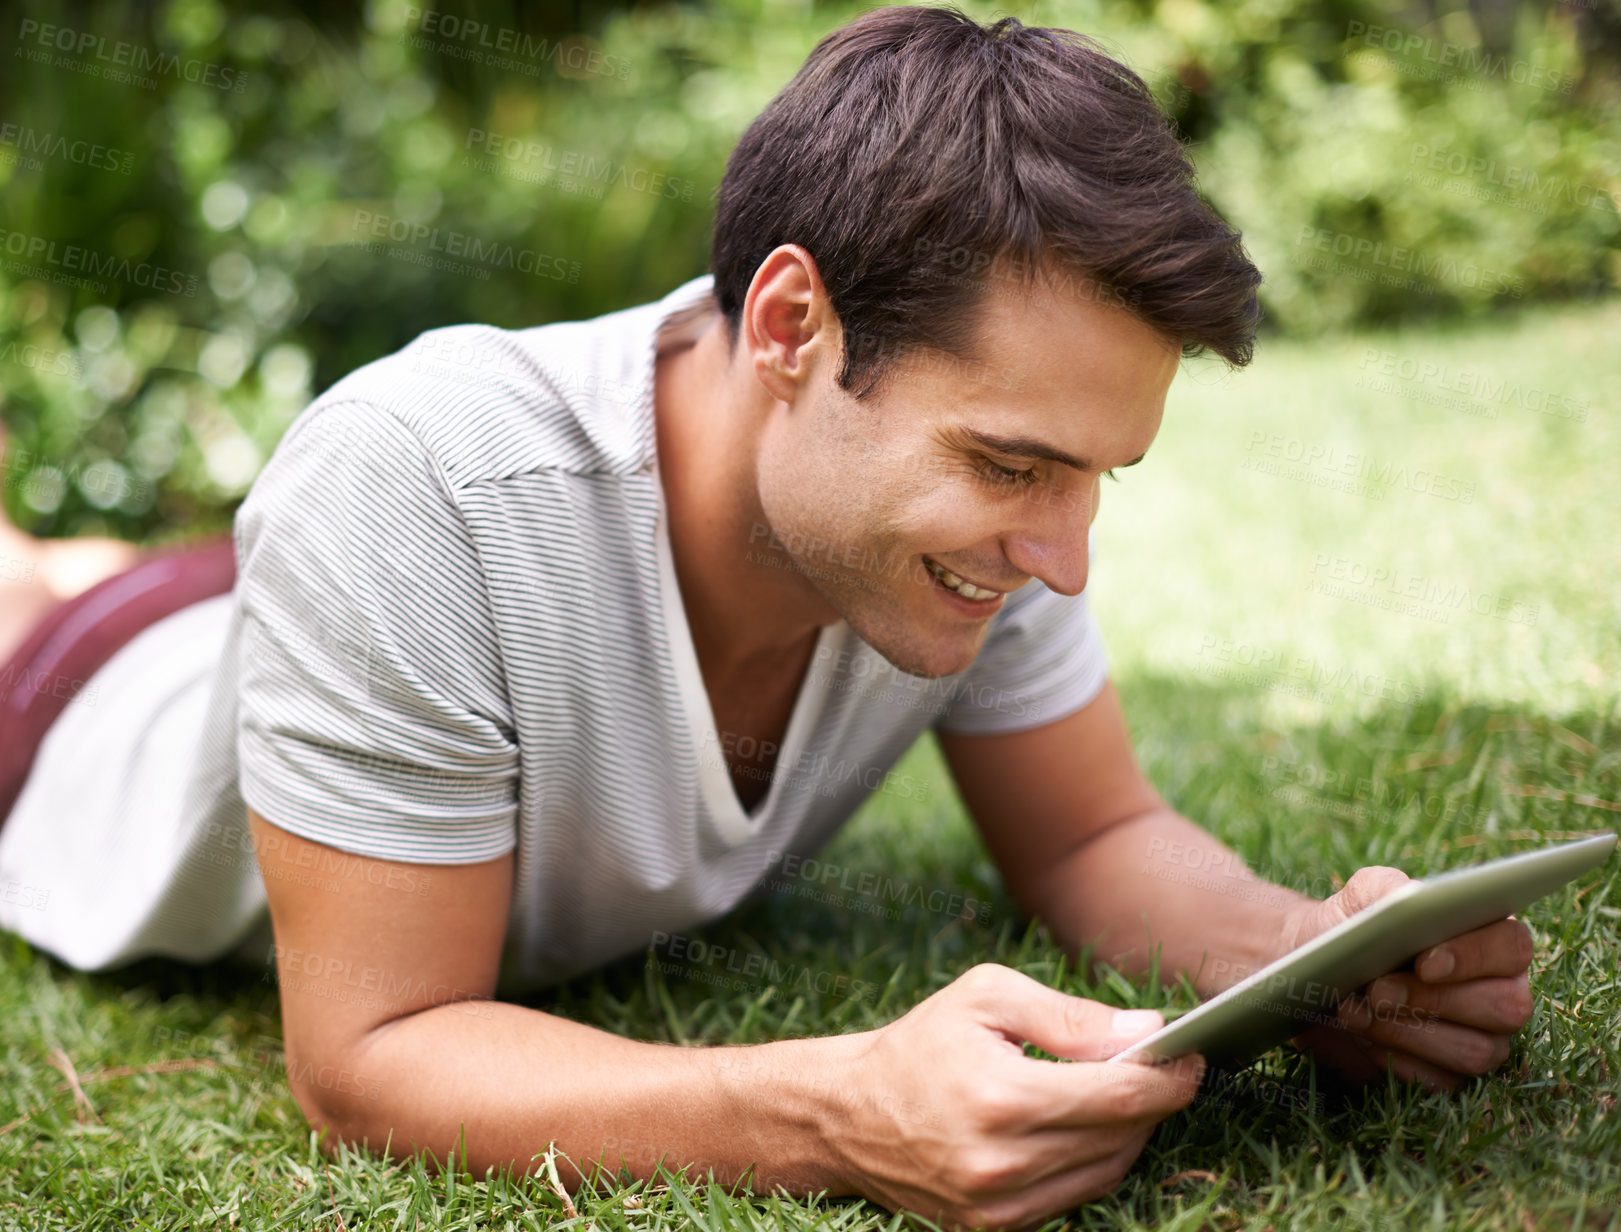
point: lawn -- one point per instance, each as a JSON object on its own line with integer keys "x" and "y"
{"x": 1362, "y": 606}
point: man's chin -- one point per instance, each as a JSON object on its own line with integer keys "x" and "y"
{"x": 948, "y": 652}
{"x": 910, "y": 637}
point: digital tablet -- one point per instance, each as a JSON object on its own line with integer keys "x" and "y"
{"x": 1304, "y": 987}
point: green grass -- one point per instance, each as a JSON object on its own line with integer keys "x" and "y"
{"x": 1504, "y": 731}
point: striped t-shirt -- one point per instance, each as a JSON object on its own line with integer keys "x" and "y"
{"x": 457, "y": 632}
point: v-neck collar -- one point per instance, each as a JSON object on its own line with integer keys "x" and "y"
{"x": 732, "y": 822}
{"x": 680, "y": 311}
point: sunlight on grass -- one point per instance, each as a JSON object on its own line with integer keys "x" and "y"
{"x": 1381, "y": 516}
{"x": 1365, "y": 735}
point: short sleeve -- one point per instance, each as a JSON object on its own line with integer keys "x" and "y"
{"x": 1043, "y": 658}
{"x": 372, "y": 706}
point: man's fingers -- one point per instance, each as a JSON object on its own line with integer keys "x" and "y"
{"x": 1133, "y": 1093}
{"x": 1446, "y": 1045}
{"x": 1458, "y": 1013}
{"x": 1501, "y": 1004}
{"x": 1341, "y": 1051}
{"x": 1408, "y": 1068}
{"x": 1067, "y": 1190}
{"x": 1503, "y": 948}
{"x": 1053, "y": 1152}
{"x": 1365, "y": 887}
{"x": 1063, "y": 1189}
{"x": 1024, "y": 1009}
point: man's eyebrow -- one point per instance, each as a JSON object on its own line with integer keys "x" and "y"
{"x": 1030, "y": 447}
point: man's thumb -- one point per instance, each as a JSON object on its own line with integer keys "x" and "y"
{"x": 1075, "y": 1028}
{"x": 1366, "y": 887}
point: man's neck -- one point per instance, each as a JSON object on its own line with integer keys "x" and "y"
{"x": 743, "y": 614}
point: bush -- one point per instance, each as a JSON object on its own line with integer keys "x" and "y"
{"x": 186, "y": 257}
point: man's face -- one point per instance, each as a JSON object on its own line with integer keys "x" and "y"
{"x": 871, "y": 498}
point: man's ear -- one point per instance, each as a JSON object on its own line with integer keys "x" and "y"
{"x": 788, "y": 325}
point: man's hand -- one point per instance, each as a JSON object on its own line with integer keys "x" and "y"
{"x": 392, "y": 1041}
{"x": 1449, "y": 1019}
{"x": 949, "y": 1117}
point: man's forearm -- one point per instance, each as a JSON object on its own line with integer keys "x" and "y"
{"x": 1159, "y": 880}
{"x": 503, "y": 1081}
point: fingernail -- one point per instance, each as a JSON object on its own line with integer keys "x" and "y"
{"x": 1388, "y": 993}
{"x": 1438, "y": 965}
{"x": 1136, "y": 1022}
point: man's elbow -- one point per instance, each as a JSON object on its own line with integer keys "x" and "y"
{"x": 337, "y": 1100}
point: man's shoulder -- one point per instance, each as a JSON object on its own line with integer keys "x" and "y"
{"x": 488, "y": 403}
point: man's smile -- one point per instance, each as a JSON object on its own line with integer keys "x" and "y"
{"x": 956, "y": 584}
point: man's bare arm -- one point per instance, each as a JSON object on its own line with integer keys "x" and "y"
{"x": 391, "y": 1038}
{"x": 1085, "y": 843}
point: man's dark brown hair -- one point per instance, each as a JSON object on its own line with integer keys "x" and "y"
{"x": 916, "y": 153}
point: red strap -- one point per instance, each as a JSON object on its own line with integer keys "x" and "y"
{"x": 78, "y": 636}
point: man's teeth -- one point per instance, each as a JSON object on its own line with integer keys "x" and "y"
{"x": 966, "y": 589}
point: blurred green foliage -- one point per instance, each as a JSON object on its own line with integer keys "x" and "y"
{"x": 273, "y": 202}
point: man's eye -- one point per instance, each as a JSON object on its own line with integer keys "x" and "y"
{"x": 1005, "y": 475}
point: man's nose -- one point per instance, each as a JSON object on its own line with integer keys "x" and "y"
{"x": 1050, "y": 543}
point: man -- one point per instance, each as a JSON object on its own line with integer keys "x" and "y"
{"x": 541, "y": 642}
